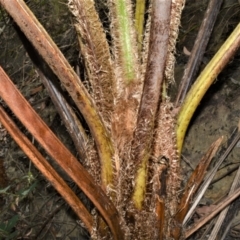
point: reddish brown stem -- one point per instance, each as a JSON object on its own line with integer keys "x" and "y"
{"x": 59, "y": 152}
{"x": 143, "y": 135}
{"x": 47, "y": 77}
{"x": 60, "y": 66}
{"x": 158, "y": 42}
{"x": 47, "y": 170}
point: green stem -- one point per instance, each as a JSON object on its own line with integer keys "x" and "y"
{"x": 125, "y": 37}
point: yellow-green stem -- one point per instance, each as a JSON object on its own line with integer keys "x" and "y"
{"x": 139, "y": 21}
{"x": 141, "y": 178}
{"x": 203, "y": 82}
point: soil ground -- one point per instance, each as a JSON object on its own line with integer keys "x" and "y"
{"x": 30, "y": 207}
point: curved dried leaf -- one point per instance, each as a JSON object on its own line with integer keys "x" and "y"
{"x": 59, "y": 152}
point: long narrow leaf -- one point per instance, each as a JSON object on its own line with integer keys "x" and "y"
{"x": 68, "y": 116}
{"x": 47, "y": 170}
{"x": 193, "y": 184}
{"x": 222, "y": 215}
{"x": 211, "y": 174}
{"x": 215, "y": 211}
{"x": 199, "y": 47}
{"x": 204, "y": 81}
{"x": 59, "y": 152}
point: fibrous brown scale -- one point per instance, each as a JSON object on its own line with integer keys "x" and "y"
{"x": 176, "y": 10}
{"x": 96, "y": 54}
{"x": 165, "y": 146}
